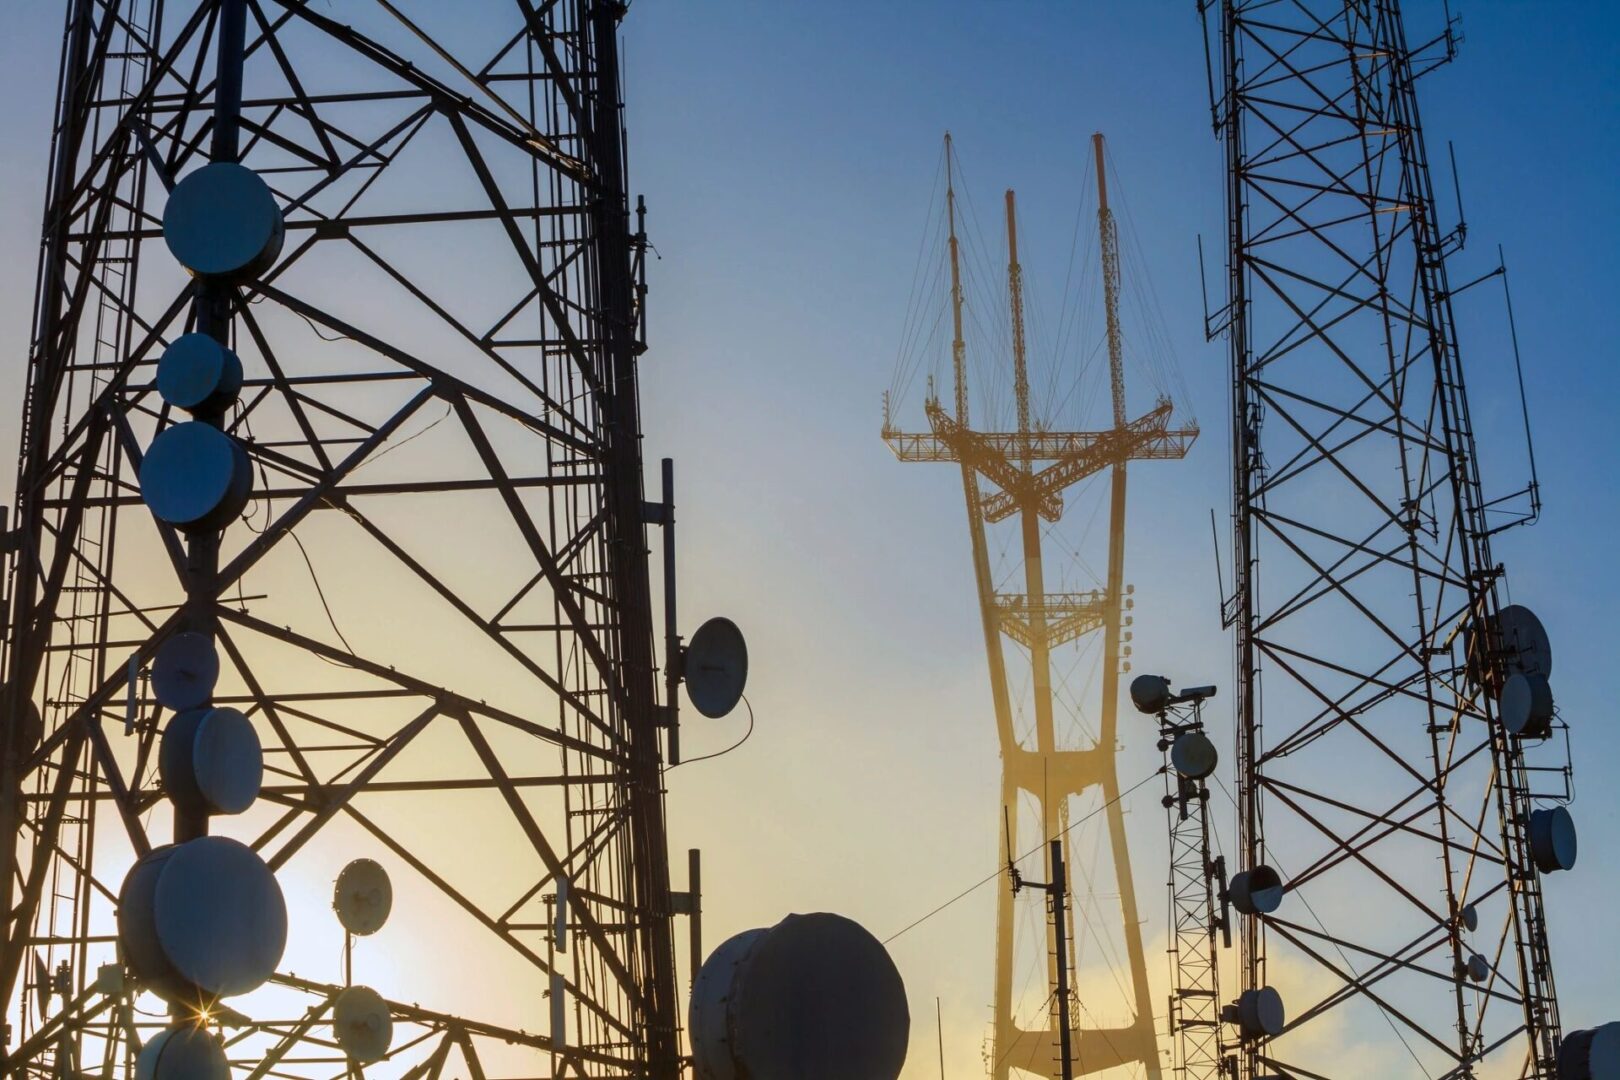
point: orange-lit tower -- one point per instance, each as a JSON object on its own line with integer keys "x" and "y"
{"x": 1027, "y": 472}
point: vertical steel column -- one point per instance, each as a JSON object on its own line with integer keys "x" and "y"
{"x": 627, "y": 547}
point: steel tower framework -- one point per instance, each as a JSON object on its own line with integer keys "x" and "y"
{"x": 461, "y": 267}
{"x": 1029, "y": 470}
{"x": 1372, "y": 774}
{"x": 1197, "y": 927}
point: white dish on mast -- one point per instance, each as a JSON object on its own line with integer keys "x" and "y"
{"x": 211, "y": 760}
{"x": 362, "y": 897}
{"x": 195, "y": 476}
{"x": 814, "y": 997}
{"x": 1151, "y": 693}
{"x": 1525, "y": 641}
{"x": 196, "y": 372}
{"x": 362, "y": 1024}
{"x": 714, "y": 666}
{"x": 185, "y": 671}
{"x": 1258, "y": 1013}
{"x": 1193, "y": 755}
{"x": 185, "y": 1051}
{"x": 1526, "y": 705}
{"x": 1590, "y": 1054}
{"x": 202, "y": 920}
{"x": 1256, "y": 891}
{"x": 1552, "y": 839}
{"x": 223, "y": 221}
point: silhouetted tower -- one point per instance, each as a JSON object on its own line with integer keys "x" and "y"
{"x": 1401, "y": 772}
{"x": 1198, "y": 927}
{"x": 331, "y": 455}
{"x": 1028, "y": 471}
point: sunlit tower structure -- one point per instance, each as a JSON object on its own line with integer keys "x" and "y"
{"x": 405, "y": 540}
{"x": 1400, "y": 766}
{"x": 1027, "y": 472}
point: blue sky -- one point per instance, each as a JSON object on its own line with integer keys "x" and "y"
{"x": 787, "y": 150}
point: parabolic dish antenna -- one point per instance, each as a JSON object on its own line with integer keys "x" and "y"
{"x": 1526, "y": 705}
{"x": 195, "y": 476}
{"x": 1150, "y": 693}
{"x": 1525, "y": 641}
{"x": 814, "y": 997}
{"x": 183, "y": 1052}
{"x": 1552, "y": 839}
{"x": 211, "y": 760}
{"x": 1257, "y": 891}
{"x": 202, "y": 920}
{"x": 362, "y": 1023}
{"x": 363, "y": 897}
{"x": 42, "y": 987}
{"x": 715, "y": 667}
{"x": 1260, "y": 1014}
{"x": 1591, "y": 1054}
{"x": 185, "y": 671}
{"x": 196, "y": 372}
{"x": 1193, "y": 755}
{"x": 223, "y": 221}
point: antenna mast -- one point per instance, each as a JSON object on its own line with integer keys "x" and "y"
{"x": 360, "y": 492}
{"x": 1396, "y": 737}
{"x": 1028, "y": 471}
{"x": 958, "y": 346}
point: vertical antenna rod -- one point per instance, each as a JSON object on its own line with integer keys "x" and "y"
{"x": 958, "y": 346}
{"x": 1110, "y": 266}
{"x": 1015, "y": 301}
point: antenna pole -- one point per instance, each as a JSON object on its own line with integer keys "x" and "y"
{"x": 1058, "y": 890}
{"x": 694, "y": 922}
{"x": 939, "y": 1025}
{"x": 672, "y": 633}
{"x": 1015, "y": 299}
{"x": 958, "y": 346}
{"x": 1110, "y": 268}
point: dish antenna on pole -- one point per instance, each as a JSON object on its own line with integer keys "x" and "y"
{"x": 363, "y": 897}
{"x": 362, "y": 1024}
{"x": 714, "y": 665}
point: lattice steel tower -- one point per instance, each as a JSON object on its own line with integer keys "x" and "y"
{"x": 407, "y": 532}
{"x": 1029, "y": 470}
{"x": 1197, "y": 927}
{"x": 1400, "y": 766}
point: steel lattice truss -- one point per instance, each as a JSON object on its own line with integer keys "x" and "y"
{"x": 1195, "y": 1027}
{"x": 1372, "y": 775}
{"x": 435, "y": 609}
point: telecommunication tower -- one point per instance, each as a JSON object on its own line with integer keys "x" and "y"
{"x": 330, "y": 544}
{"x": 1197, "y": 926}
{"x": 1028, "y": 472}
{"x": 1402, "y": 772}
